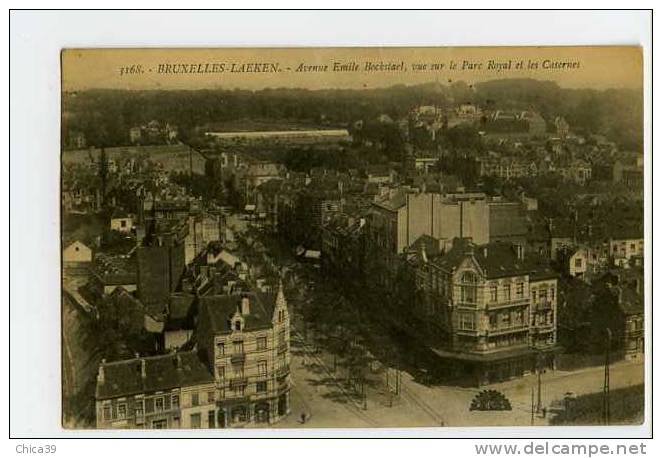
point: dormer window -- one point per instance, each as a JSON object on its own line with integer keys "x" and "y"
{"x": 237, "y": 325}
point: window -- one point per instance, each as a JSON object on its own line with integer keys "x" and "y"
{"x": 196, "y": 421}
{"x": 468, "y": 287}
{"x": 261, "y": 387}
{"x": 159, "y": 424}
{"x": 261, "y": 343}
{"x": 158, "y": 404}
{"x": 123, "y": 223}
{"x": 121, "y": 411}
{"x": 281, "y": 316}
{"x": 467, "y": 321}
{"x": 239, "y": 390}
{"x": 195, "y": 399}
{"x": 211, "y": 419}
{"x": 106, "y": 412}
{"x": 506, "y": 292}
{"x": 543, "y": 295}
{"x": 519, "y": 290}
{"x": 220, "y": 348}
{"x": 140, "y": 408}
{"x": 237, "y": 325}
{"x": 281, "y": 337}
{"x": 551, "y": 294}
{"x": 221, "y": 371}
{"x": 238, "y": 370}
{"x": 578, "y": 262}
{"x": 493, "y": 321}
{"x": 534, "y": 295}
{"x": 262, "y": 367}
{"x": 175, "y": 401}
{"x": 493, "y": 293}
{"x": 519, "y": 317}
{"x": 238, "y": 347}
{"x": 211, "y": 397}
{"x": 221, "y": 393}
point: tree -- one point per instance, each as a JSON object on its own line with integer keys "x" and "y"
{"x": 103, "y": 174}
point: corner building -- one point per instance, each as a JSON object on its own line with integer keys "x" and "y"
{"x": 245, "y": 339}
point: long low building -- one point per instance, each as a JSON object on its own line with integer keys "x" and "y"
{"x": 317, "y": 134}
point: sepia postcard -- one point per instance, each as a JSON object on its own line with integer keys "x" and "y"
{"x": 353, "y": 237}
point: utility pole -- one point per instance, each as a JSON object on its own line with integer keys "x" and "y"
{"x": 540, "y": 372}
{"x": 605, "y": 387}
{"x": 539, "y": 403}
{"x": 532, "y": 405}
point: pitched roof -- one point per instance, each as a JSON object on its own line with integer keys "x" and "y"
{"x": 498, "y": 259}
{"x": 219, "y": 309}
{"x": 124, "y": 378}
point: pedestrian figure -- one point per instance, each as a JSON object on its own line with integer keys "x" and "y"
{"x": 303, "y": 417}
{"x": 544, "y": 412}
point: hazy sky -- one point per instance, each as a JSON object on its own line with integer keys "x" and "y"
{"x": 226, "y": 68}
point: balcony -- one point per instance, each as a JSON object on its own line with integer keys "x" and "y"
{"x": 238, "y": 382}
{"x": 545, "y": 326}
{"x": 238, "y": 358}
{"x": 506, "y": 304}
{"x": 507, "y": 330}
{"x": 467, "y": 332}
{"x": 282, "y": 372}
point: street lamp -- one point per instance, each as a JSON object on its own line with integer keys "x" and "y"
{"x": 540, "y": 371}
{"x": 605, "y": 387}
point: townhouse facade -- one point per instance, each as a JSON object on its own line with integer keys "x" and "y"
{"x": 494, "y": 310}
{"x": 160, "y": 392}
{"x": 244, "y": 338}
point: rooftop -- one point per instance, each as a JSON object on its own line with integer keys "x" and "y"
{"x": 219, "y": 309}
{"x": 126, "y": 378}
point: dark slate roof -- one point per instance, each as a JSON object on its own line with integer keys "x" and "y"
{"x": 498, "y": 259}
{"x": 182, "y": 309}
{"x": 219, "y": 309}
{"x": 123, "y": 378}
{"x": 428, "y": 243}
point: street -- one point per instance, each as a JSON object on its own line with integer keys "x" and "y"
{"x": 320, "y": 392}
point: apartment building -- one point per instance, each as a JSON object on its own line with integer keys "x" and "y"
{"x": 493, "y": 308}
{"x": 244, "y": 338}
{"x": 161, "y": 392}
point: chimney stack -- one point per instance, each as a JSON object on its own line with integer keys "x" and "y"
{"x": 143, "y": 369}
{"x": 101, "y": 376}
{"x": 178, "y": 361}
{"x": 245, "y": 306}
{"x": 520, "y": 251}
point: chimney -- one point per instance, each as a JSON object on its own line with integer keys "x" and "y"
{"x": 143, "y": 369}
{"x": 620, "y": 295}
{"x": 245, "y": 306}
{"x": 101, "y": 376}
{"x": 485, "y": 252}
{"x": 520, "y": 251}
{"x": 178, "y": 361}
